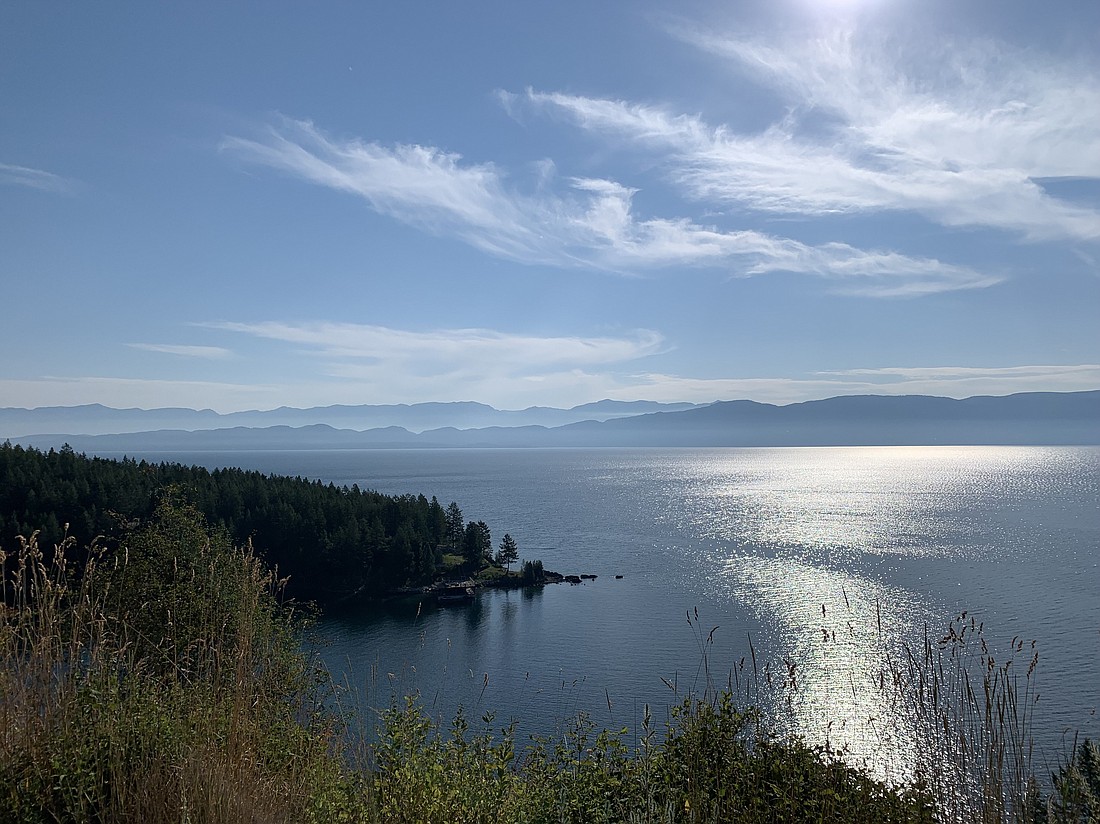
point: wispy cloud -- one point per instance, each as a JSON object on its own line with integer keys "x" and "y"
{"x": 591, "y": 224}
{"x": 204, "y": 352}
{"x": 353, "y": 349}
{"x": 956, "y": 133}
{"x": 367, "y": 361}
{"x": 34, "y": 179}
{"x": 870, "y": 273}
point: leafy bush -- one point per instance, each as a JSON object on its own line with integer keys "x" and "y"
{"x": 712, "y": 763}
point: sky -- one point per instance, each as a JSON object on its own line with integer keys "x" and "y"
{"x": 242, "y": 206}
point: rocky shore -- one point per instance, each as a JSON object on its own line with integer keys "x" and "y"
{"x": 512, "y": 580}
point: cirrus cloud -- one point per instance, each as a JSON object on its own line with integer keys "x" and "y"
{"x": 444, "y": 351}
{"x": 185, "y": 351}
{"x": 592, "y": 224}
{"x": 960, "y": 134}
{"x": 34, "y": 179}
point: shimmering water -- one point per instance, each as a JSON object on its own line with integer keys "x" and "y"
{"x": 825, "y": 558}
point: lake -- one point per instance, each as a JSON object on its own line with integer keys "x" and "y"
{"x": 825, "y": 558}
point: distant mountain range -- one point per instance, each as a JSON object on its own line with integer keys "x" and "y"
{"x": 1029, "y": 418}
{"x": 96, "y": 419}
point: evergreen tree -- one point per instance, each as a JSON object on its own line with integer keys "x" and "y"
{"x": 455, "y": 525}
{"x": 334, "y": 542}
{"x": 533, "y": 573}
{"x": 437, "y": 523}
{"x": 509, "y": 551}
{"x": 478, "y": 544}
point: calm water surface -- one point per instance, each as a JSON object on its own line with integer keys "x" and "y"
{"x": 828, "y": 558}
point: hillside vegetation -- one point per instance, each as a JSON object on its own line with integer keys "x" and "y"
{"x": 332, "y": 542}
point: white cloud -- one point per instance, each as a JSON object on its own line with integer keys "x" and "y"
{"x": 871, "y": 273}
{"x": 34, "y": 179}
{"x": 445, "y": 349}
{"x": 364, "y": 363}
{"x": 420, "y": 185}
{"x": 204, "y": 352}
{"x": 454, "y": 364}
{"x": 592, "y": 225}
{"x": 957, "y": 134}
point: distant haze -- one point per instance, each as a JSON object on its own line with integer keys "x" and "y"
{"x": 95, "y": 419}
{"x": 1029, "y": 418}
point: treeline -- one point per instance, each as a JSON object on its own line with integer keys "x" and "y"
{"x": 334, "y": 542}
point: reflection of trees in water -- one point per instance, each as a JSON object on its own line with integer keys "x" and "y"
{"x": 474, "y": 614}
{"x": 509, "y": 609}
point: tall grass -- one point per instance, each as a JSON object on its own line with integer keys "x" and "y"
{"x": 976, "y": 713}
{"x": 963, "y": 709}
{"x": 162, "y": 683}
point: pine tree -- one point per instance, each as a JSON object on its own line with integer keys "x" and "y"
{"x": 455, "y": 525}
{"x": 509, "y": 551}
{"x": 478, "y": 544}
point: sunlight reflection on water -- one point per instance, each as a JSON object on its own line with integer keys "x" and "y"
{"x": 834, "y": 628}
{"x": 805, "y": 539}
{"x": 872, "y": 500}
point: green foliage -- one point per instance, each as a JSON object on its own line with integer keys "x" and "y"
{"x": 477, "y": 544}
{"x": 1077, "y": 787}
{"x": 189, "y": 702}
{"x": 332, "y": 542}
{"x": 533, "y": 573}
{"x": 723, "y": 765}
{"x": 509, "y": 551}
{"x": 712, "y": 764}
{"x": 451, "y": 563}
{"x": 455, "y": 526}
{"x": 420, "y": 775}
{"x": 493, "y": 575}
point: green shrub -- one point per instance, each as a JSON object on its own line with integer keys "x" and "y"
{"x": 1077, "y": 787}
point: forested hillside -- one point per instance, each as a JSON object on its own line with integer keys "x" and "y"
{"x": 333, "y": 542}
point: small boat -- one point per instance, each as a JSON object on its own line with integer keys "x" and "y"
{"x": 458, "y": 594}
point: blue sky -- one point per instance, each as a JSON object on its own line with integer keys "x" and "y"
{"x": 242, "y": 206}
